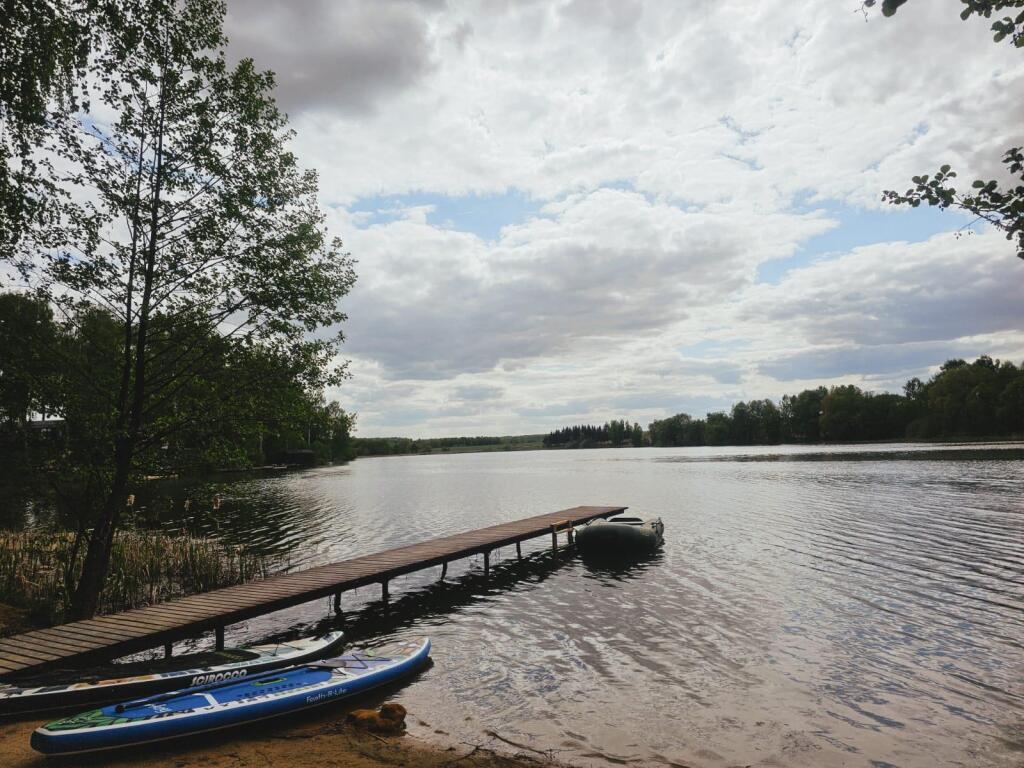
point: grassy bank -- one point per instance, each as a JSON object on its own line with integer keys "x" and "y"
{"x": 39, "y": 568}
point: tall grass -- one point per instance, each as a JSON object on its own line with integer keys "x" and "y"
{"x": 39, "y": 569}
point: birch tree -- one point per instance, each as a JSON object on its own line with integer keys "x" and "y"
{"x": 176, "y": 207}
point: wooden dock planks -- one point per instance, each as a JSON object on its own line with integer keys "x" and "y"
{"x": 107, "y": 637}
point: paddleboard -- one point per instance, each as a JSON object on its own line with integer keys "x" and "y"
{"x": 117, "y": 682}
{"x": 224, "y": 705}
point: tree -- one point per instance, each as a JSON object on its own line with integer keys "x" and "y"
{"x": 1011, "y": 26}
{"x": 43, "y": 55}
{"x": 338, "y": 426}
{"x": 27, "y": 333}
{"x": 637, "y": 436}
{"x": 913, "y": 389}
{"x": 618, "y": 431}
{"x": 974, "y": 399}
{"x": 182, "y": 215}
{"x": 1011, "y": 405}
{"x": 756, "y": 423}
{"x": 680, "y": 429}
{"x": 1002, "y": 207}
{"x": 801, "y": 415}
{"x": 717, "y": 429}
{"x": 885, "y": 416}
{"x": 669, "y": 432}
{"x": 842, "y": 414}
{"x": 742, "y": 425}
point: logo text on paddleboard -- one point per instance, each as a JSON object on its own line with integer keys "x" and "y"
{"x": 213, "y": 677}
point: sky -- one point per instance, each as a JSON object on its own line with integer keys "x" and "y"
{"x": 576, "y": 210}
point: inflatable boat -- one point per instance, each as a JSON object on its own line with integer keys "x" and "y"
{"x": 620, "y": 536}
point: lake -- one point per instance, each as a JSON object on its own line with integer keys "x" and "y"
{"x": 854, "y": 606}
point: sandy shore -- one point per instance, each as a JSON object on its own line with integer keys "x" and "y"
{"x": 316, "y": 739}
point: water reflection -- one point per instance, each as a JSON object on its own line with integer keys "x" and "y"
{"x": 810, "y": 607}
{"x": 619, "y": 566}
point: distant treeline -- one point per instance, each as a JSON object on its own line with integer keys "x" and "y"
{"x": 963, "y": 400}
{"x": 980, "y": 399}
{"x": 393, "y": 446}
{"x": 614, "y": 433}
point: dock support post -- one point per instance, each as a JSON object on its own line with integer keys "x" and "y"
{"x": 220, "y": 638}
{"x": 444, "y": 569}
{"x": 168, "y": 650}
{"x": 337, "y": 602}
{"x": 487, "y": 563}
{"x": 519, "y": 551}
{"x": 384, "y": 595}
{"x": 554, "y": 538}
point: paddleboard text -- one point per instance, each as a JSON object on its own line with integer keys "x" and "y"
{"x": 214, "y": 677}
{"x": 323, "y": 695}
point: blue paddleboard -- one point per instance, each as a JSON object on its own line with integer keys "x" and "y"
{"x": 223, "y": 705}
{"x": 118, "y": 682}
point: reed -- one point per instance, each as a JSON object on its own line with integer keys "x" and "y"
{"x": 38, "y": 570}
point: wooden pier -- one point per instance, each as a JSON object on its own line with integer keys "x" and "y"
{"x": 111, "y": 636}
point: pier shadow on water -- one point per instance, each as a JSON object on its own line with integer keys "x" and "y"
{"x": 379, "y": 620}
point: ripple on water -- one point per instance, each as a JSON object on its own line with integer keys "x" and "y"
{"x": 811, "y": 607}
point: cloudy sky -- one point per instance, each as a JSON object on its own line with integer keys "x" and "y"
{"x": 578, "y": 210}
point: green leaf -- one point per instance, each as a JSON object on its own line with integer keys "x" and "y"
{"x": 889, "y": 7}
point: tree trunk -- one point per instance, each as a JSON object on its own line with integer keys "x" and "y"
{"x": 97, "y": 557}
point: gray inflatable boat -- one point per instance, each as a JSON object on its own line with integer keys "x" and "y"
{"x": 620, "y": 535}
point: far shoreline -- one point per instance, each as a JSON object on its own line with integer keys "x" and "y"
{"x": 909, "y": 440}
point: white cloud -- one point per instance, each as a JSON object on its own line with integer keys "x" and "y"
{"x": 897, "y": 293}
{"x": 607, "y": 266}
{"x": 666, "y": 146}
